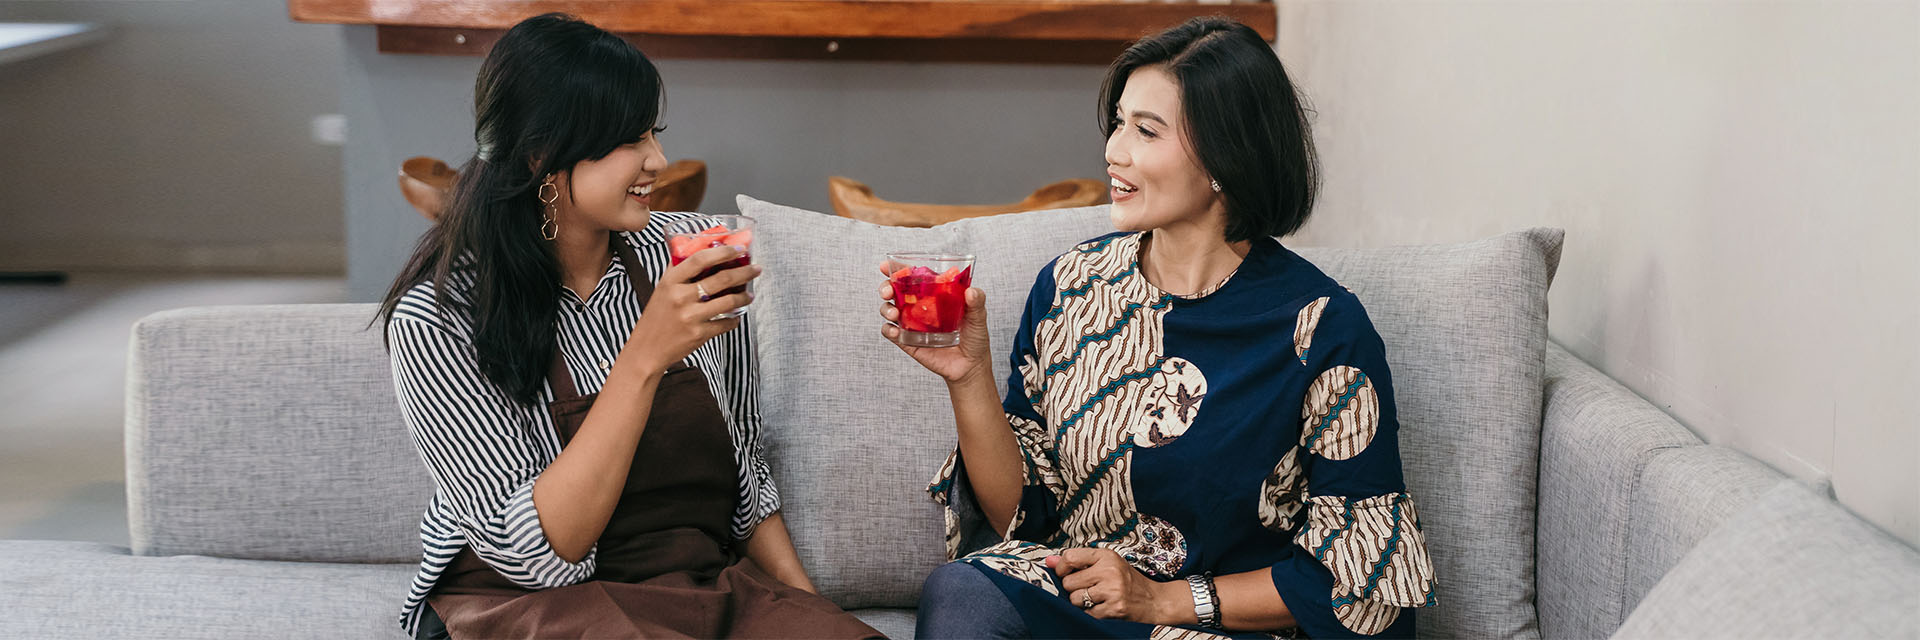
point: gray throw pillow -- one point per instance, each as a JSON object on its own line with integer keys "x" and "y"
{"x": 854, "y": 429}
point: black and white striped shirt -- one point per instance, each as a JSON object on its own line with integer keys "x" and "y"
{"x": 484, "y": 450}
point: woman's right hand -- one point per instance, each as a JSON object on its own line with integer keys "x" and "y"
{"x": 967, "y": 361}
{"x": 676, "y": 320}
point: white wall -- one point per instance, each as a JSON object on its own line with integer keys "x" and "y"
{"x": 180, "y": 142}
{"x": 951, "y": 133}
{"x": 1739, "y": 182}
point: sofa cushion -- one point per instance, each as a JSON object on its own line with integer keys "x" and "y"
{"x": 854, "y": 428}
{"x": 1685, "y": 494}
{"x": 1466, "y": 332}
{"x": 269, "y": 432}
{"x": 1792, "y": 564}
{"x": 1597, "y": 438}
{"x": 59, "y": 590}
{"x": 1465, "y": 327}
{"x": 896, "y": 624}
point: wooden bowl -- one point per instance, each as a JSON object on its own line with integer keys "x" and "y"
{"x": 853, "y": 199}
{"x": 427, "y": 184}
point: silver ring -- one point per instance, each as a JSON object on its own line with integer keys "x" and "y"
{"x": 704, "y": 296}
{"x": 1086, "y": 599}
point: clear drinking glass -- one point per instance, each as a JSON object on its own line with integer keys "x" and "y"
{"x": 688, "y": 237}
{"x": 930, "y": 290}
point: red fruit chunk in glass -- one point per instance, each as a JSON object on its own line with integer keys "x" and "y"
{"x": 930, "y": 302}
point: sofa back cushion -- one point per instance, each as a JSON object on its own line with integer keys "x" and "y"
{"x": 856, "y": 429}
{"x": 1792, "y": 564}
{"x": 269, "y": 432}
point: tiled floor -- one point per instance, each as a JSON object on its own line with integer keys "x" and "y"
{"x": 63, "y": 358}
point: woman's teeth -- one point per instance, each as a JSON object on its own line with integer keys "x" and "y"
{"x": 640, "y": 190}
{"x": 1122, "y": 186}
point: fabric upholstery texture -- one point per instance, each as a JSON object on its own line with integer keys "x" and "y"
{"x": 1685, "y": 494}
{"x": 75, "y": 590}
{"x": 61, "y": 591}
{"x": 269, "y": 432}
{"x": 1792, "y": 564}
{"x": 897, "y": 624}
{"x": 1596, "y": 438}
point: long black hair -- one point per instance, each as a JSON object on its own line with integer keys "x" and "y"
{"x": 1248, "y": 124}
{"x": 553, "y": 91}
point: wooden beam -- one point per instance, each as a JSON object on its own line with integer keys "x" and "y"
{"x": 1069, "y": 20}
{"x": 476, "y": 42}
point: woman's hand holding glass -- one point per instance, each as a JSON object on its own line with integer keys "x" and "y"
{"x": 681, "y": 314}
{"x": 957, "y": 364}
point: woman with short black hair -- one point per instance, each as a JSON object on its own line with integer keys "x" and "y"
{"x": 592, "y": 430}
{"x": 1199, "y": 433}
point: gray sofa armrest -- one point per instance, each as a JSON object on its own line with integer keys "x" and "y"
{"x": 1685, "y": 494}
{"x": 1597, "y": 438}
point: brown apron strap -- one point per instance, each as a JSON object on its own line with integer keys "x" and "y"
{"x": 557, "y": 375}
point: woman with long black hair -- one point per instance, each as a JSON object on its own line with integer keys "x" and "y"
{"x": 591, "y": 429}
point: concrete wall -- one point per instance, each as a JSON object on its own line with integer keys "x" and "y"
{"x": 1740, "y": 184}
{"x": 180, "y": 142}
{"x": 776, "y": 130}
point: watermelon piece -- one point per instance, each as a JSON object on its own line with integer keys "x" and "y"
{"x": 739, "y": 239}
{"x": 681, "y": 247}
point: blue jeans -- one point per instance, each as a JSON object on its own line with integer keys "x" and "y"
{"x": 958, "y": 601}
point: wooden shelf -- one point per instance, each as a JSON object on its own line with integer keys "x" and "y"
{"x": 1070, "y": 31}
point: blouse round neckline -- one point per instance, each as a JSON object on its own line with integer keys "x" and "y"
{"x": 1140, "y": 247}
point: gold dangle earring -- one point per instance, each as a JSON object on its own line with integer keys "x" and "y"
{"x": 549, "y": 225}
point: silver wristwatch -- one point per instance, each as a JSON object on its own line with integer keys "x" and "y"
{"x": 1206, "y": 606}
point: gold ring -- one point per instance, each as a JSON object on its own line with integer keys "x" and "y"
{"x": 1086, "y": 599}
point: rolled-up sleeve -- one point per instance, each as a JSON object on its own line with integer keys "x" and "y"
{"x": 734, "y": 377}
{"x": 478, "y": 446}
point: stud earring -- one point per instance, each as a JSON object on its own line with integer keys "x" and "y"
{"x": 1216, "y": 185}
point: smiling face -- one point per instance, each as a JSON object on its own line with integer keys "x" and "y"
{"x": 1156, "y": 177}
{"x": 613, "y": 192}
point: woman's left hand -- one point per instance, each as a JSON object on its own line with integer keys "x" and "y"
{"x": 1117, "y": 591}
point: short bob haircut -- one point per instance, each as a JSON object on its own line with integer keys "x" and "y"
{"x": 1246, "y": 122}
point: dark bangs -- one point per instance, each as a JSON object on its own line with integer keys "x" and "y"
{"x": 610, "y": 96}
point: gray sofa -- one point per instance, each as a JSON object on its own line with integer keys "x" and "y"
{"x": 273, "y": 490}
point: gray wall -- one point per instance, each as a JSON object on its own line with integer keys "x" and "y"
{"x": 180, "y": 142}
{"x": 949, "y": 133}
{"x": 1739, "y": 182}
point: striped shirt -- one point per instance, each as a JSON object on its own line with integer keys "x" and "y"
{"x": 484, "y": 450}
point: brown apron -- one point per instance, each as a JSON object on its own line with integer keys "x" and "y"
{"x": 665, "y": 567}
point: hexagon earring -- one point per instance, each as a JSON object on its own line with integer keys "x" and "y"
{"x": 549, "y": 193}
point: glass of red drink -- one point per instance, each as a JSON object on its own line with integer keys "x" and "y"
{"x": 688, "y": 237}
{"x": 930, "y": 290}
